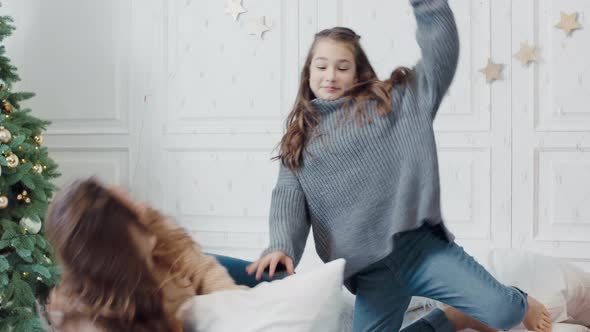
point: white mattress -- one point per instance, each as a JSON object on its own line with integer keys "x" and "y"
{"x": 413, "y": 315}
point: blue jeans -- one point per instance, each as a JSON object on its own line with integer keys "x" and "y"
{"x": 237, "y": 270}
{"x": 423, "y": 263}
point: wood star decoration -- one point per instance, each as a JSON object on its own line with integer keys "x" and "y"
{"x": 493, "y": 71}
{"x": 526, "y": 54}
{"x": 569, "y": 23}
{"x": 257, "y": 26}
{"x": 234, "y": 8}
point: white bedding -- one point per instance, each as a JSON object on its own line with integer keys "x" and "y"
{"x": 413, "y": 315}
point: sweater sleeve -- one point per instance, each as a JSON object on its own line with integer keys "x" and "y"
{"x": 212, "y": 276}
{"x": 289, "y": 221}
{"x": 438, "y": 39}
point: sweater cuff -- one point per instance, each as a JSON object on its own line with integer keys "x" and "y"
{"x": 289, "y": 226}
{"x": 427, "y": 6}
{"x": 285, "y": 248}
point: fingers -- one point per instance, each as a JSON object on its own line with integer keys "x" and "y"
{"x": 252, "y": 267}
{"x": 288, "y": 262}
{"x": 264, "y": 262}
{"x": 271, "y": 262}
{"x": 273, "y": 265}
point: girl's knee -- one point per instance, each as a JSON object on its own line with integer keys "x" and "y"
{"x": 506, "y": 312}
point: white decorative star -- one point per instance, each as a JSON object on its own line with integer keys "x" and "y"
{"x": 257, "y": 26}
{"x": 526, "y": 54}
{"x": 234, "y": 8}
{"x": 493, "y": 71}
{"x": 569, "y": 23}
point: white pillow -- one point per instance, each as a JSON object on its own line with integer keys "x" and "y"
{"x": 303, "y": 302}
{"x": 562, "y": 287}
{"x": 557, "y": 327}
{"x": 564, "y": 327}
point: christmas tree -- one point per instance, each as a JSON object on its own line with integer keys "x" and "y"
{"x": 27, "y": 270}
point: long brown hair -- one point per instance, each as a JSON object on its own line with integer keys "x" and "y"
{"x": 104, "y": 275}
{"x": 303, "y": 119}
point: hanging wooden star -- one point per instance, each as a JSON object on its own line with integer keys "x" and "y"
{"x": 569, "y": 23}
{"x": 526, "y": 54}
{"x": 257, "y": 26}
{"x": 493, "y": 71}
{"x": 234, "y": 8}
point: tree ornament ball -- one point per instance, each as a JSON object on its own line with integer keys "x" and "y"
{"x": 38, "y": 139}
{"x": 6, "y": 106}
{"x": 32, "y": 225}
{"x": 38, "y": 168}
{"x": 5, "y": 135}
{"x": 12, "y": 161}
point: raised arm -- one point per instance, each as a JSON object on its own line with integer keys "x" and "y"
{"x": 438, "y": 39}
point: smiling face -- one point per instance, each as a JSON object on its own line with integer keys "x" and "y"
{"x": 332, "y": 69}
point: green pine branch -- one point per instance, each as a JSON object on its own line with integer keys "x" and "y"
{"x": 27, "y": 268}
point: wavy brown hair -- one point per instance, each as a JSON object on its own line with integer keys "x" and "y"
{"x": 303, "y": 119}
{"x": 103, "y": 273}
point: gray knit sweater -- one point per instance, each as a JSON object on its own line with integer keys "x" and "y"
{"x": 360, "y": 185}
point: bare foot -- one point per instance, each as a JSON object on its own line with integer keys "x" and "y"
{"x": 461, "y": 321}
{"x": 537, "y": 317}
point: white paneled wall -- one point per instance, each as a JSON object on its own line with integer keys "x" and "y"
{"x": 551, "y": 130}
{"x": 174, "y": 99}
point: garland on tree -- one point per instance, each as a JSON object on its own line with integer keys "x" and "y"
{"x": 27, "y": 270}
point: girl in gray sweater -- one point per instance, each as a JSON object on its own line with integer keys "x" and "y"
{"x": 359, "y": 166}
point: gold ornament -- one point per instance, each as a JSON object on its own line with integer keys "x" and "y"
{"x": 493, "y": 71}
{"x": 526, "y": 54}
{"x": 5, "y": 135}
{"x": 38, "y": 168}
{"x": 25, "y": 274}
{"x": 12, "y": 160}
{"x": 6, "y": 106}
{"x": 38, "y": 139}
{"x": 23, "y": 161}
{"x": 24, "y": 196}
{"x": 39, "y": 279}
{"x": 3, "y": 202}
{"x": 569, "y": 23}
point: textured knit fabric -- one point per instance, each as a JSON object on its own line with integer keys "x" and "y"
{"x": 360, "y": 185}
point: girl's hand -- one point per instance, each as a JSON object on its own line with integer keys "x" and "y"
{"x": 271, "y": 260}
